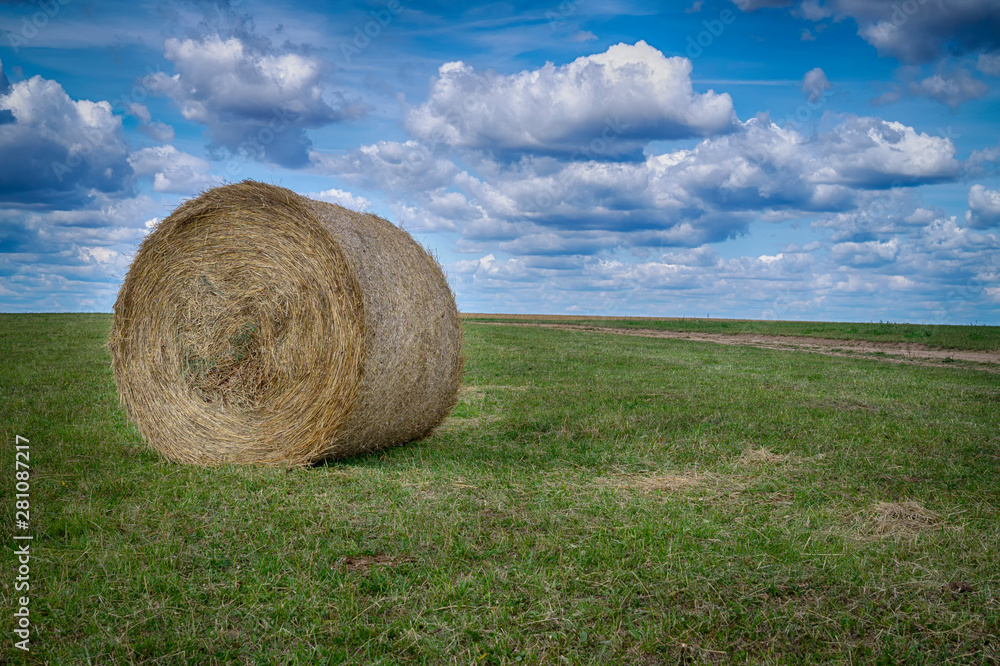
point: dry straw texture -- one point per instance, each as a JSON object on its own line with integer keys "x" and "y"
{"x": 258, "y": 326}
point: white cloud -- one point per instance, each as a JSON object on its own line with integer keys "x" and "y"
{"x": 605, "y": 104}
{"x": 916, "y": 31}
{"x": 944, "y": 239}
{"x": 952, "y": 89}
{"x": 507, "y": 269}
{"x": 391, "y": 165}
{"x": 63, "y": 260}
{"x": 66, "y": 149}
{"x": 870, "y": 253}
{"x": 252, "y": 100}
{"x": 140, "y": 111}
{"x": 950, "y": 84}
{"x": 984, "y": 208}
{"x": 107, "y": 260}
{"x": 157, "y": 130}
{"x": 989, "y": 64}
{"x": 812, "y": 10}
{"x": 929, "y": 29}
{"x": 342, "y": 198}
{"x": 814, "y": 83}
{"x": 173, "y": 170}
{"x": 870, "y": 152}
{"x": 982, "y": 160}
{"x": 544, "y": 205}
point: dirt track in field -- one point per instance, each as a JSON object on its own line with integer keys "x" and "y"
{"x": 896, "y": 352}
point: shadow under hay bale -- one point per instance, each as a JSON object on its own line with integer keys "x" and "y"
{"x": 257, "y": 326}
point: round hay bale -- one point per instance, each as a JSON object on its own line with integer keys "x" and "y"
{"x": 257, "y": 326}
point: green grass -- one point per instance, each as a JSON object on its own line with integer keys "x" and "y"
{"x": 941, "y": 336}
{"x": 594, "y": 499}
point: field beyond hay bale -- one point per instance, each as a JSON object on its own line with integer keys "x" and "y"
{"x": 258, "y": 326}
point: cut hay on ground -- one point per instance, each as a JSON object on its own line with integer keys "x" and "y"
{"x": 258, "y": 326}
{"x": 903, "y": 519}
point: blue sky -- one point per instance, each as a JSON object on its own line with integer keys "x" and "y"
{"x": 761, "y": 159}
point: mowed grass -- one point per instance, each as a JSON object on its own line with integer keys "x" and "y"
{"x": 939, "y": 336}
{"x": 594, "y": 498}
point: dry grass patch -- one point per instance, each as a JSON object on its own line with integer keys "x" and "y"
{"x": 903, "y": 519}
{"x": 670, "y": 482}
{"x": 763, "y": 456}
{"x": 704, "y": 483}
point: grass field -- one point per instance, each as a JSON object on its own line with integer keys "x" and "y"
{"x": 593, "y": 499}
{"x": 941, "y": 336}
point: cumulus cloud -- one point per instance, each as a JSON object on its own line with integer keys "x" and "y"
{"x": 65, "y": 148}
{"x": 545, "y": 205}
{"x": 391, "y": 165}
{"x": 984, "y": 208}
{"x": 909, "y": 272}
{"x": 173, "y": 170}
{"x": 690, "y": 281}
{"x": 342, "y": 198}
{"x": 916, "y": 31}
{"x": 110, "y": 221}
{"x": 252, "y": 99}
{"x": 812, "y": 10}
{"x": 952, "y": 89}
{"x": 982, "y": 160}
{"x": 69, "y": 259}
{"x": 919, "y": 32}
{"x": 989, "y": 64}
{"x": 108, "y": 261}
{"x": 950, "y": 85}
{"x": 607, "y": 104}
{"x": 155, "y": 129}
{"x": 870, "y": 253}
{"x": 873, "y": 153}
{"x": 815, "y": 83}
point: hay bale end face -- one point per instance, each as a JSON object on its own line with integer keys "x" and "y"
{"x": 257, "y": 326}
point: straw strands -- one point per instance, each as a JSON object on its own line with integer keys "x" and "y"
{"x": 257, "y": 326}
